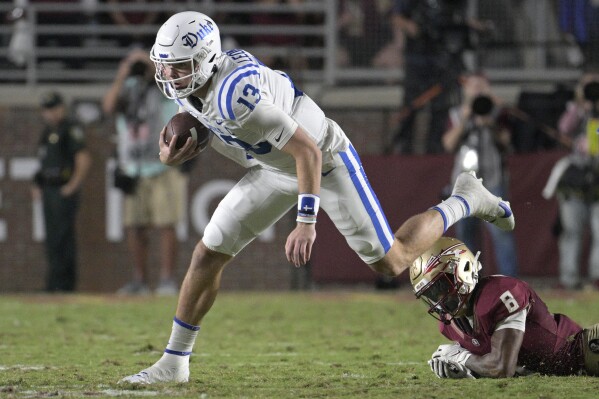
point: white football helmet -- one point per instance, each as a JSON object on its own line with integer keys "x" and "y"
{"x": 444, "y": 277}
{"x": 187, "y": 37}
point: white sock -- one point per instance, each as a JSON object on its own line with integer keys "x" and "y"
{"x": 452, "y": 210}
{"x": 180, "y": 344}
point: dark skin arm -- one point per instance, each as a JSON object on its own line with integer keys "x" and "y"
{"x": 502, "y": 361}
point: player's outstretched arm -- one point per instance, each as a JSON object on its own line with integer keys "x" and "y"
{"x": 308, "y": 159}
{"x": 502, "y": 360}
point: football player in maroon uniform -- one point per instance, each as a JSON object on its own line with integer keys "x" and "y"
{"x": 499, "y": 324}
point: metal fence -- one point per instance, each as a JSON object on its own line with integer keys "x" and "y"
{"x": 80, "y": 41}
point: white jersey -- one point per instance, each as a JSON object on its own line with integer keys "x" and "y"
{"x": 253, "y": 111}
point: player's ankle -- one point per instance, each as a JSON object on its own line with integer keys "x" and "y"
{"x": 173, "y": 361}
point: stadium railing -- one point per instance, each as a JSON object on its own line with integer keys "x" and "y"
{"x": 93, "y": 46}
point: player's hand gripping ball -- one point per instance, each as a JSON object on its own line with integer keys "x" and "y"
{"x": 185, "y": 125}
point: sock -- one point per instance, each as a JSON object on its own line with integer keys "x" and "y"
{"x": 452, "y": 210}
{"x": 180, "y": 344}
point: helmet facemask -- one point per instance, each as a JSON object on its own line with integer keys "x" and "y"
{"x": 198, "y": 76}
{"x": 444, "y": 277}
{"x": 442, "y": 296}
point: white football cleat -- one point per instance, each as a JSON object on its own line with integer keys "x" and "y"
{"x": 482, "y": 203}
{"x": 157, "y": 374}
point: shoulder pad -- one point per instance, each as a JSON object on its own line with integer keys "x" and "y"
{"x": 239, "y": 91}
{"x": 502, "y": 296}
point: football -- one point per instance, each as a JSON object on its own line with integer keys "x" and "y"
{"x": 185, "y": 125}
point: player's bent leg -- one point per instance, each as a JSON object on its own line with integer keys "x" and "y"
{"x": 352, "y": 205}
{"x": 413, "y": 237}
{"x": 201, "y": 283}
{"x": 256, "y": 202}
{"x": 482, "y": 203}
{"x": 198, "y": 292}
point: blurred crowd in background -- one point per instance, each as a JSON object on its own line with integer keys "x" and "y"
{"x": 442, "y": 49}
{"x": 431, "y": 43}
{"x": 504, "y": 33}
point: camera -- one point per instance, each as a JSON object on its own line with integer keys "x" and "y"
{"x": 591, "y": 91}
{"x": 482, "y": 105}
{"x": 443, "y": 23}
{"x": 138, "y": 68}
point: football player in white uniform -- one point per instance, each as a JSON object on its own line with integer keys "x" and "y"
{"x": 295, "y": 156}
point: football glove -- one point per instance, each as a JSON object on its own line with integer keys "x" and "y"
{"x": 449, "y": 369}
{"x": 452, "y": 352}
{"x": 449, "y": 361}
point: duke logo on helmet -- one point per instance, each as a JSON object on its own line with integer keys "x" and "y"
{"x": 205, "y": 29}
{"x": 190, "y": 40}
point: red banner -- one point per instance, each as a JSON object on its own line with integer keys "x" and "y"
{"x": 407, "y": 185}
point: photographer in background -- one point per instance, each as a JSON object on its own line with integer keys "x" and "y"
{"x": 155, "y": 194}
{"x": 575, "y": 182}
{"x": 437, "y": 33}
{"x": 479, "y": 135}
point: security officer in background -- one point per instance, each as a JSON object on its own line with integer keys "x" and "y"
{"x": 64, "y": 164}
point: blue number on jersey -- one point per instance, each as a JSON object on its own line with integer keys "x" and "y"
{"x": 249, "y": 98}
{"x": 263, "y": 147}
{"x": 249, "y": 90}
{"x": 250, "y": 93}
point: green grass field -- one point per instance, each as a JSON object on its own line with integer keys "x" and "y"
{"x": 252, "y": 345}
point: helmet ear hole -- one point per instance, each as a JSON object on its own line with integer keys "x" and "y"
{"x": 467, "y": 266}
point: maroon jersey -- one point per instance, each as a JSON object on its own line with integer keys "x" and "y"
{"x": 552, "y": 343}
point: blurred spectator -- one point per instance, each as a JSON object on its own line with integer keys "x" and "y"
{"x": 54, "y": 18}
{"x": 524, "y": 34}
{"x": 230, "y": 42}
{"x": 267, "y": 43}
{"x": 561, "y": 50}
{"x": 436, "y": 35}
{"x": 575, "y": 181}
{"x": 580, "y": 18}
{"x": 133, "y": 18}
{"x": 64, "y": 164}
{"x": 479, "y": 136}
{"x": 20, "y": 47}
{"x": 364, "y": 29}
{"x": 154, "y": 193}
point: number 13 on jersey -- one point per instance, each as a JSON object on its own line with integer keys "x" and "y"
{"x": 251, "y": 96}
